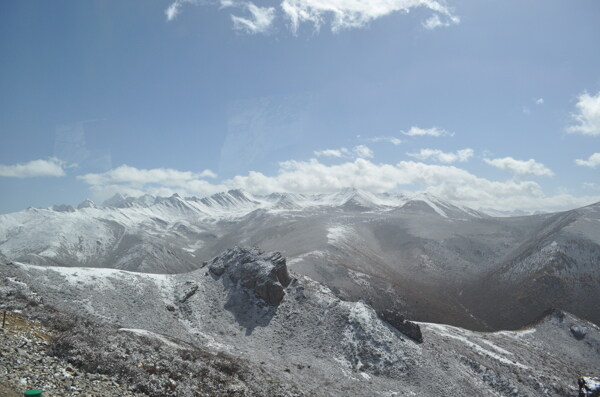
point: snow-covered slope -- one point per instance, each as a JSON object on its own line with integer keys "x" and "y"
{"x": 140, "y": 233}
{"x": 431, "y": 259}
{"x": 311, "y": 338}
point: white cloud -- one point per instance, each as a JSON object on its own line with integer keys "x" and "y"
{"x": 434, "y": 131}
{"x": 390, "y": 139}
{"x": 339, "y": 14}
{"x": 445, "y": 181}
{"x": 539, "y": 101}
{"x": 592, "y": 185}
{"x": 435, "y": 21}
{"x": 448, "y": 182}
{"x": 593, "y": 161}
{"x": 174, "y": 8}
{"x": 157, "y": 181}
{"x": 520, "y": 167}
{"x": 347, "y": 14}
{"x": 443, "y": 157}
{"x": 342, "y": 152}
{"x": 51, "y": 167}
{"x": 260, "y": 22}
{"x": 360, "y": 151}
{"x": 587, "y": 115}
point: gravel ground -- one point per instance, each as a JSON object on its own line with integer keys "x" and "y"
{"x": 25, "y": 364}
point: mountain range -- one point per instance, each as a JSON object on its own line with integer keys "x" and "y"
{"x": 422, "y": 256}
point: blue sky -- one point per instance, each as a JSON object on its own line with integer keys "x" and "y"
{"x": 492, "y": 104}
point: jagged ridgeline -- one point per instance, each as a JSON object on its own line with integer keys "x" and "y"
{"x": 422, "y": 257}
{"x": 245, "y": 324}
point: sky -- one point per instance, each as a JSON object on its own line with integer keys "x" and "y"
{"x": 486, "y": 103}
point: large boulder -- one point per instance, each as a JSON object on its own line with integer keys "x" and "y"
{"x": 265, "y": 274}
{"x": 397, "y": 320}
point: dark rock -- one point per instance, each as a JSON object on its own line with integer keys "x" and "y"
{"x": 189, "y": 289}
{"x": 578, "y": 332}
{"x": 265, "y": 274}
{"x": 397, "y": 320}
{"x": 589, "y": 386}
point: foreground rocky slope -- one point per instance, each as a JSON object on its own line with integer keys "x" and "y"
{"x": 307, "y": 340}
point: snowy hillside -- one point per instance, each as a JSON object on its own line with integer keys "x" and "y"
{"x": 425, "y": 257}
{"x": 308, "y": 337}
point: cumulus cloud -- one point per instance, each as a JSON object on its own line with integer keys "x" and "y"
{"x": 443, "y": 157}
{"x": 445, "y": 181}
{"x": 434, "y": 131}
{"x": 260, "y": 21}
{"x": 587, "y": 115}
{"x": 158, "y": 181}
{"x": 393, "y": 140}
{"x": 520, "y": 168}
{"x": 539, "y": 101}
{"x": 36, "y": 168}
{"x": 362, "y": 151}
{"x": 593, "y": 161}
{"x": 338, "y": 14}
{"x": 312, "y": 176}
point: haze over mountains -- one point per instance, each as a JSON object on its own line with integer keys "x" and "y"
{"x": 422, "y": 256}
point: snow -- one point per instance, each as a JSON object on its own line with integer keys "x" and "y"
{"x": 90, "y": 233}
{"x": 338, "y": 234}
{"x": 593, "y": 384}
{"x": 455, "y": 333}
{"x": 152, "y": 335}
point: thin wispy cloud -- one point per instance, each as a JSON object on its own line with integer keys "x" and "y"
{"x": 539, "y": 101}
{"x": 443, "y": 157}
{"x": 360, "y": 151}
{"x": 51, "y": 167}
{"x": 174, "y": 9}
{"x": 393, "y": 140}
{"x": 348, "y": 14}
{"x": 433, "y": 131}
{"x": 520, "y": 168}
{"x": 342, "y": 152}
{"x": 587, "y": 115}
{"x": 260, "y": 21}
{"x": 337, "y": 14}
{"x": 435, "y": 21}
{"x": 593, "y": 161}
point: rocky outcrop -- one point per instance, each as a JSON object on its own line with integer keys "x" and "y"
{"x": 397, "y": 320}
{"x": 589, "y": 386}
{"x": 578, "y": 332}
{"x": 265, "y": 274}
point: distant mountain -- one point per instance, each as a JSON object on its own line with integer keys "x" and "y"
{"x": 428, "y": 258}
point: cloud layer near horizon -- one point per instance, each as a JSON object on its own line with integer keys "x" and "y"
{"x": 312, "y": 176}
{"x": 37, "y": 168}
